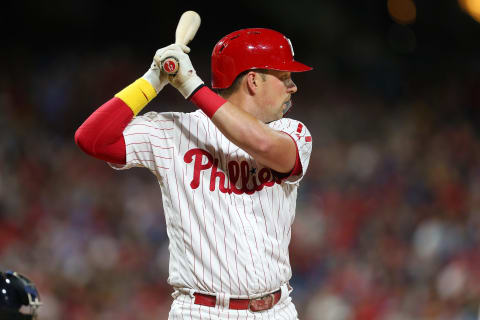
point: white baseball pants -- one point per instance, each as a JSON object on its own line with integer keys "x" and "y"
{"x": 184, "y": 308}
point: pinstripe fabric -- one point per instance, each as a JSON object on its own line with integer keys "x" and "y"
{"x": 228, "y": 220}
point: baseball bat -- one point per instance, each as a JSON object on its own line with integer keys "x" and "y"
{"x": 186, "y": 29}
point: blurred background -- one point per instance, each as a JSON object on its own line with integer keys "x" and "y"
{"x": 387, "y": 225}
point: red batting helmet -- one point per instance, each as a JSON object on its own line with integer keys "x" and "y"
{"x": 254, "y": 48}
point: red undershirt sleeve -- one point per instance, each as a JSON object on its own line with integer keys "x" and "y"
{"x": 101, "y": 135}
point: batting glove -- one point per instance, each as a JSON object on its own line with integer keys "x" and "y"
{"x": 155, "y": 75}
{"x": 185, "y": 80}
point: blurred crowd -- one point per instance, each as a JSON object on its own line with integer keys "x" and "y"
{"x": 386, "y": 225}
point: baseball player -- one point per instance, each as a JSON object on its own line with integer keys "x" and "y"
{"x": 19, "y": 298}
{"x": 228, "y": 172}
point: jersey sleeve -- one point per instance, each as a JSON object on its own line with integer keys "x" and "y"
{"x": 303, "y": 140}
{"x": 149, "y": 142}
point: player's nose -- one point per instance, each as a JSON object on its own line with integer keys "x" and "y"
{"x": 291, "y": 86}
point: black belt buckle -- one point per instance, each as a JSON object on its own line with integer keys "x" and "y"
{"x": 261, "y": 304}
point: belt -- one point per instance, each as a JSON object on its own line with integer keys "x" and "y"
{"x": 259, "y": 304}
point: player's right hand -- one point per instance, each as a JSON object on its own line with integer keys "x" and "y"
{"x": 186, "y": 79}
{"x": 155, "y": 75}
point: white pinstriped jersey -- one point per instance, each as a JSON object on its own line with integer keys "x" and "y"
{"x": 228, "y": 219}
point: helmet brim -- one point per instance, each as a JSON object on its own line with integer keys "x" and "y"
{"x": 294, "y": 66}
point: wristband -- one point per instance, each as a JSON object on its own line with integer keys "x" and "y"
{"x": 137, "y": 95}
{"x": 207, "y": 100}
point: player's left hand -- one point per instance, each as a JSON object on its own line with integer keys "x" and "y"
{"x": 186, "y": 79}
{"x": 155, "y": 75}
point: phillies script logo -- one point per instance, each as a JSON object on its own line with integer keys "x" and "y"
{"x": 237, "y": 172}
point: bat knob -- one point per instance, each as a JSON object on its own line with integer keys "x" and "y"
{"x": 170, "y": 65}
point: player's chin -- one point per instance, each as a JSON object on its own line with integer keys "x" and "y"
{"x": 286, "y": 106}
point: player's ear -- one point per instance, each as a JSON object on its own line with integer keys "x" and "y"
{"x": 251, "y": 81}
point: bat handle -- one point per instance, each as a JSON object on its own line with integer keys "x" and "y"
{"x": 170, "y": 65}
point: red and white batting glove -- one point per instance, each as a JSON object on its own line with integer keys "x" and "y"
{"x": 186, "y": 79}
{"x": 155, "y": 76}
